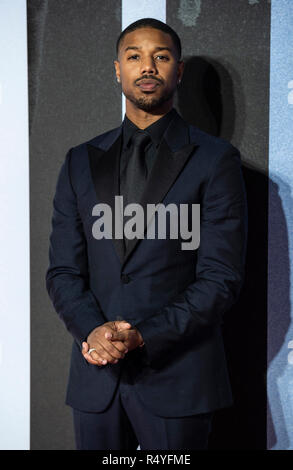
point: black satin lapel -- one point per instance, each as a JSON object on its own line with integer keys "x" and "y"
{"x": 166, "y": 169}
{"x": 104, "y": 167}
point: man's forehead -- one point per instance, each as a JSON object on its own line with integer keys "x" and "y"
{"x": 137, "y": 38}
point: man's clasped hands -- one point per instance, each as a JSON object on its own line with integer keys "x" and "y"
{"x": 110, "y": 341}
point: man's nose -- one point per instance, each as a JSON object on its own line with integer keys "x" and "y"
{"x": 148, "y": 66}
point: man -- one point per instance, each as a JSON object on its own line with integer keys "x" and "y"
{"x": 148, "y": 364}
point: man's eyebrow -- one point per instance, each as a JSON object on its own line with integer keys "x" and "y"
{"x": 158, "y": 48}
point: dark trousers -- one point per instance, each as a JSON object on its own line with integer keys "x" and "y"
{"x": 126, "y": 423}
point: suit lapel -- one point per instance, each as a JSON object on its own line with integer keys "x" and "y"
{"x": 104, "y": 157}
{"x": 104, "y": 165}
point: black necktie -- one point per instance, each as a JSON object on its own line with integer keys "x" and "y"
{"x": 134, "y": 178}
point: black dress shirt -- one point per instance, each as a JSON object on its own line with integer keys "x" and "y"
{"x": 156, "y": 132}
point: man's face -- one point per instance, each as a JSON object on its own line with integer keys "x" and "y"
{"x": 148, "y": 68}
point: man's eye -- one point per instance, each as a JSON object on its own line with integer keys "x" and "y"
{"x": 162, "y": 57}
{"x": 134, "y": 56}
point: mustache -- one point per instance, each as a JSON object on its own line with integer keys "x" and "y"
{"x": 151, "y": 77}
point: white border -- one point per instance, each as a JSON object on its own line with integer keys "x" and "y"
{"x": 14, "y": 233}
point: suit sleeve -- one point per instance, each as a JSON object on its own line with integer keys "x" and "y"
{"x": 67, "y": 275}
{"x": 219, "y": 271}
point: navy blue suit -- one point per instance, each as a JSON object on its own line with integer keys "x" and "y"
{"x": 176, "y": 298}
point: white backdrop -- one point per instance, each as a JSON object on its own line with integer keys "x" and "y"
{"x": 14, "y": 233}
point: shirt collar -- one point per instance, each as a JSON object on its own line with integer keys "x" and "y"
{"x": 155, "y": 130}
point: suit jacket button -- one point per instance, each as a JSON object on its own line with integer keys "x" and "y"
{"x": 125, "y": 278}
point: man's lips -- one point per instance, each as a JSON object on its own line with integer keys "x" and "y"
{"x": 148, "y": 84}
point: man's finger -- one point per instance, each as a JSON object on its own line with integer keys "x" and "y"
{"x": 89, "y": 359}
{"x": 121, "y": 346}
{"x": 94, "y": 355}
{"x": 97, "y": 361}
{"x": 106, "y": 350}
{"x": 110, "y": 350}
{"x": 119, "y": 336}
{"x": 85, "y": 346}
{"x": 117, "y": 326}
{"x": 114, "y": 348}
{"x": 121, "y": 325}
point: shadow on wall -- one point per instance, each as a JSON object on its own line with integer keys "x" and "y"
{"x": 279, "y": 370}
{"x": 205, "y": 97}
{"x": 206, "y": 100}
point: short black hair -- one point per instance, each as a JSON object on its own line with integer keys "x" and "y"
{"x": 151, "y": 23}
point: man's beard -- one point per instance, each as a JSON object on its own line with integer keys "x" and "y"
{"x": 148, "y": 103}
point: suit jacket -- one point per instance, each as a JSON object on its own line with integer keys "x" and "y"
{"x": 176, "y": 298}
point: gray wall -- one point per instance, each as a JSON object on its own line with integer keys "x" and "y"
{"x": 73, "y": 97}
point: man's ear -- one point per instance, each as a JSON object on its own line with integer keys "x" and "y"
{"x": 117, "y": 69}
{"x": 180, "y": 70}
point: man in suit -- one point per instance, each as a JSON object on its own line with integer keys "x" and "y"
{"x": 148, "y": 363}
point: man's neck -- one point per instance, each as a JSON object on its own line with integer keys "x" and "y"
{"x": 143, "y": 119}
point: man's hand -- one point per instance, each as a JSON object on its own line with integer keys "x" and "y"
{"x": 131, "y": 338}
{"x": 106, "y": 351}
